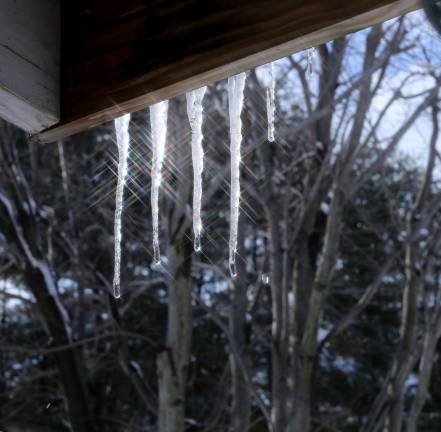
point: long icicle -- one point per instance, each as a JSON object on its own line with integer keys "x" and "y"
{"x": 271, "y": 101}
{"x": 236, "y": 85}
{"x": 194, "y": 111}
{"x": 158, "y": 121}
{"x": 122, "y": 141}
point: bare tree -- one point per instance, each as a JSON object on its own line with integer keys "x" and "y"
{"x": 306, "y": 238}
{"x": 419, "y": 263}
{"x": 174, "y": 361}
{"x": 240, "y": 388}
{"x": 25, "y": 224}
{"x": 271, "y": 336}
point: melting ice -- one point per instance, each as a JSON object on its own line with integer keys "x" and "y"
{"x": 158, "y": 121}
{"x": 236, "y": 85}
{"x": 194, "y": 111}
{"x": 309, "y": 57}
{"x": 271, "y": 102}
{"x": 122, "y": 141}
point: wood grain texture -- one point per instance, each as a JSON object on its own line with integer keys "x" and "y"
{"x": 121, "y": 56}
{"x": 29, "y": 63}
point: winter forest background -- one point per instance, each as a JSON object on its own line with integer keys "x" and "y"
{"x": 333, "y": 321}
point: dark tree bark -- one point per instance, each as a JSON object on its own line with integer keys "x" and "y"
{"x": 241, "y": 407}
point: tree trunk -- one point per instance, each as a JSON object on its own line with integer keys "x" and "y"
{"x": 404, "y": 359}
{"x": 279, "y": 300}
{"x": 39, "y": 280}
{"x": 433, "y": 315}
{"x": 68, "y": 362}
{"x": 388, "y": 408}
{"x": 302, "y": 286}
{"x": 173, "y": 362}
{"x": 240, "y": 407}
{"x": 279, "y": 346}
{"x": 22, "y": 229}
{"x": 307, "y": 348}
{"x": 425, "y": 369}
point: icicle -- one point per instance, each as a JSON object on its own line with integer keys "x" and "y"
{"x": 309, "y": 56}
{"x": 122, "y": 141}
{"x": 271, "y": 102}
{"x": 158, "y": 121}
{"x": 194, "y": 111}
{"x": 236, "y": 85}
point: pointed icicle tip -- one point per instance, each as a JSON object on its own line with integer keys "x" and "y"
{"x": 156, "y": 254}
{"x": 197, "y": 242}
{"x": 233, "y": 269}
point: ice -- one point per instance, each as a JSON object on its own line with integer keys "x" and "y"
{"x": 310, "y": 55}
{"x": 194, "y": 111}
{"x": 158, "y": 121}
{"x": 122, "y": 141}
{"x": 236, "y": 85}
{"x": 271, "y": 101}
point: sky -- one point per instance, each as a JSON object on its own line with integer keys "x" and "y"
{"x": 415, "y": 143}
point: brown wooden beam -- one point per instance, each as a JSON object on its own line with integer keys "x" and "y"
{"x": 122, "y": 56}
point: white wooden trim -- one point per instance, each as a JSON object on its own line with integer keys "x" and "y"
{"x": 29, "y": 63}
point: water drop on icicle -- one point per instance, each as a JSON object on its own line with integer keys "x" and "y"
{"x": 158, "y": 121}
{"x": 271, "y": 101}
{"x": 232, "y": 266}
{"x": 265, "y": 278}
{"x": 236, "y": 85}
{"x": 122, "y": 141}
{"x": 194, "y": 111}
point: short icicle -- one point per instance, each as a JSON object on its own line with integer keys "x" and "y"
{"x": 236, "y": 85}
{"x": 122, "y": 141}
{"x": 309, "y": 57}
{"x": 194, "y": 111}
{"x": 158, "y": 121}
{"x": 271, "y": 101}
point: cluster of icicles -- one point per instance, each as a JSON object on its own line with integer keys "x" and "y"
{"x": 158, "y": 120}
